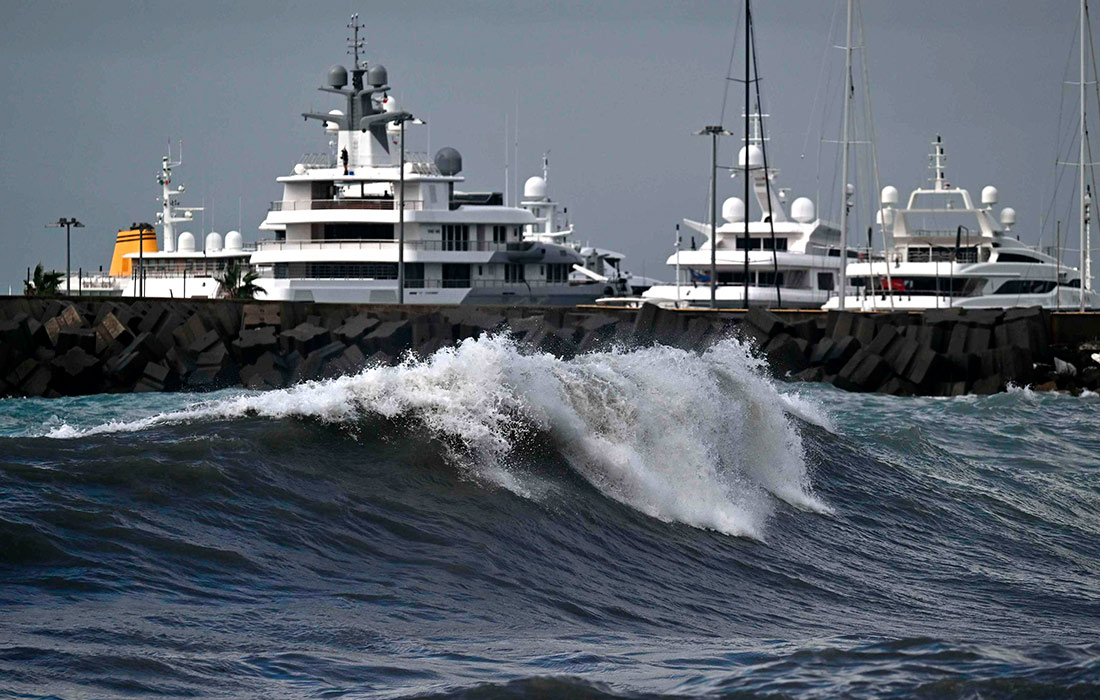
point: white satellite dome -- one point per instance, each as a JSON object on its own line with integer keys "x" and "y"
{"x": 333, "y": 127}
{"x": 1008, "y": 217}
{"x": 889, "y": 195}
{"x": 756, "y": 157}
{"x": 802, "y": 210}
{"x": 884, "y": 217}
{"x": 213, "y": 242}
{"x": 389, "y": 104}
{"x": 299, "y": 169}
{"x": 186, "y": 242}
{"x": 733, "y": 210}
{"x": 989, "y": 195}
{"x": 234, "y": 241}
{"x": 534, "y": 188}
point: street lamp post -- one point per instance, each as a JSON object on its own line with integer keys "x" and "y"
{"x": 714, "y": 132}
{"x": 400, "y": 118}
{"x": 68, "y": 224}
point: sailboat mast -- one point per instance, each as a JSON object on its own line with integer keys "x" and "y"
{"x": 844, "y": 145}
{"x": 1081, "y": 164}
{"x": 748, "y": 59}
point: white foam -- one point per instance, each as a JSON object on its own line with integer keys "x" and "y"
{"x": 703, "y": 440}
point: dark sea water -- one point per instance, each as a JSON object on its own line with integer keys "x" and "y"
{"x": 494, "y": 524}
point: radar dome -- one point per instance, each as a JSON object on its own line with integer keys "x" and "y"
{"x": 733, "y": 210}
{"x": 234, "y": 241}
{"x": 989, "y": 195}
{"x": 332, "y": 127}
{"x": 802, "y": 210}
{"x": 213, "y": 242}
{"x": 889, "y": 195}
{"x": 186, "y": 242}
{"x": 337, "y": 76}
{"x": 534, "y": 188}
{"x": 300, "y": 169}
{"x": 1008, "y": 216}
{"x": 449, "y": 161}
{"x": 377, "y": 76}
{"x": 756, "y": 157}
{"x": 389, "y": 104}
{"x": 884, "y": 217}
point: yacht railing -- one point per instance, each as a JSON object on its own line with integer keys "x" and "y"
{"x": 385, "y": 244}
{"x": 346, "y": 203}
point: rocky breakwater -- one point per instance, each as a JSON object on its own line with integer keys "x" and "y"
{"x": 946, "y": 352}
{"x": 67, "y": 347}
{"x": 70, "y": 347}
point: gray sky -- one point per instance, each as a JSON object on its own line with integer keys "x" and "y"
{"x": 91, "y": 93}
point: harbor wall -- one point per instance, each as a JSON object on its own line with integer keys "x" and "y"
{"x": 74, "y": 346}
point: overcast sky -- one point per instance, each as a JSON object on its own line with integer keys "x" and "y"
{"x": 92, "y": 92}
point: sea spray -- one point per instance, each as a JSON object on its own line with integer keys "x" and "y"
{"x": 701, "y": 439}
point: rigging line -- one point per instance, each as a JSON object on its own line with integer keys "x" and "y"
{"x": 824, "y": 111}
{"x": 817, "y": 93}
{"x": 1059, "y": 133}
{"x": 729, "y": 69}
{"x": 750, "y": 36}
{"x": 725, "y": 95}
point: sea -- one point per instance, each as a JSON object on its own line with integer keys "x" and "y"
{"x": 492, "y": 522}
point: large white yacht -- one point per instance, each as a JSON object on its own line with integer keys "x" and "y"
{"x": 806, "y": 257}
{"x": 338, "y": 224}
{"x": 944, "y": 250}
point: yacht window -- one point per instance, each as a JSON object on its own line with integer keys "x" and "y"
{"x": 456, "y": 237}
{"x": 414, "y": 275}
{"x": 557, "y": 273}
{"x": 514, "y": 272}
{"x": 768, "y": 279}
{"x": 1026, "y": 287}
{"x": 825, "y": 281}
{"x": 456, "y": 275}
{"x": 1015, "y": 257}
{"x": 500, "y": 234}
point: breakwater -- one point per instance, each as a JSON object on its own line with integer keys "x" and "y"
{"x": 75, "y": 346}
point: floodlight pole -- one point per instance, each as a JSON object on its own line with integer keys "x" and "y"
{"x": 714, "y": 132}
{"x": 68, "y": 224}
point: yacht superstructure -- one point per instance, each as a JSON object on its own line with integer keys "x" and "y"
{"x": 944, "y": 250}
{"x": 339, "y": 225}
{"x": 805, "y": 262}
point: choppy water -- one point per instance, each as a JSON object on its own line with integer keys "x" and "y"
{"x": 494, "y": 524}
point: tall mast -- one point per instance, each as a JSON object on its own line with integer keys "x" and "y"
{"x": 1081, "y": 164}
{"x": 748, "y": 59}
{"x": 844, "y": 145}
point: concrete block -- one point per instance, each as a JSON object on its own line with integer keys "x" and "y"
{"x": 391, "y": 337}
{"x": 765, "y": 320}
{"x": 355, "y": 328}
{"x": 922, "y": 369}
{"x": 821, "y": 350}
{"x": 884, "y": 338}
{"x": 786, "y": 355}
{"x": 840, "y": 324}
{"x": 843, "y": 350}
{"x": 189, "y": 331}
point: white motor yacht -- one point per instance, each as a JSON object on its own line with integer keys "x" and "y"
{"x": 804, "y": 262}
{"x": 944, "y": 250}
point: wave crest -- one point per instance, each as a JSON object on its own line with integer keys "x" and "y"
{"x": 701, "y": 439}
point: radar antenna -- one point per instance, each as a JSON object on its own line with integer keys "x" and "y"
{"x": 355, "y": 44}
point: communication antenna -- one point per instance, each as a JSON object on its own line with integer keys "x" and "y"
{"x": 355, "y": 44}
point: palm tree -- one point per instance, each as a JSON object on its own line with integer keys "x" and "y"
{"x": 237, "y": 284}
{"x": 42, "y": 283}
